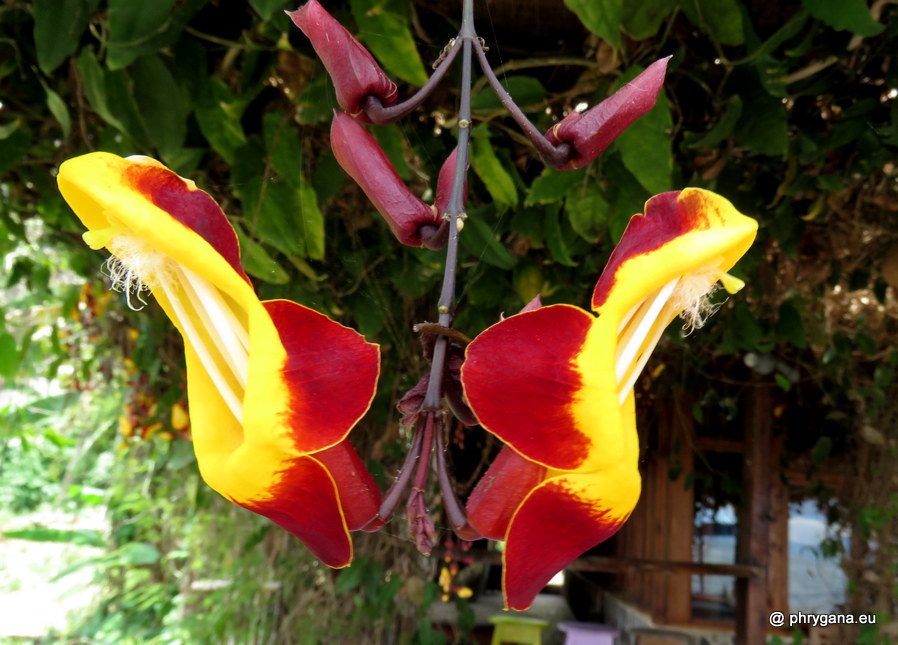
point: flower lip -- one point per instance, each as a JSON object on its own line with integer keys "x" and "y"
{"x": 680, "y": 233}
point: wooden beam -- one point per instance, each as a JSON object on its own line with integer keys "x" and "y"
{"x": 753, "y": 537}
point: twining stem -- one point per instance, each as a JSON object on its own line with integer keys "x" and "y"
{"x": 381, "y": 115}
{"x": 552, "y": 155}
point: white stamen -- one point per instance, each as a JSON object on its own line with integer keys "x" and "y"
{"x": 629, "y": 348}
{"x": 218, "y": 319}
{"x": 230, "y": 397}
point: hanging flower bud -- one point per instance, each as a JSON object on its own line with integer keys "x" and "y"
{"x": 351, "y": 67}
{"x": 590, "y": 132}
{"x": 411, "y": 220}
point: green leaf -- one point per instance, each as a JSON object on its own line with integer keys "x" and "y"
{"x": 722, "y": 128}
{"x": 480, "y": 241}
{"x": 58, "y": 26}
{"x": 849, "y": 15}
{"x": 9, "y": 357}
{"x": 790, "y": 326}
{"x": 645, "y": 146}
{"x": 763, "y": 125}
{"x": 138, "y": 553}
{"x": 59, "y": 110}
{"x": 821, "y": 450}
{"x": 642, "y": 19}
{"x": 587, "y": 211}
{"x": 555, "y": 238}
{"x": 552, "y": 186}
{"x": 388, "y": 36}
{"x": 486, "y": 164}
{"x": 318, "y": 100}
{"x": 601, "y": 17}
{"x": 390, "y": 141}
{"x": 137, "y": 28}
{"x": 13, "y": 148}
{"x": 163, "y": 106}
{"x": 720, "y": 19}
{"x": 311, "y": 221}
{"x": 525, "y": 90}
{"x": 109, "y": 94}
{"x": 257, "y": 262}
{"x": 81, "y": 537}
{"x": 218, "y": 114}
{"x": 266, "y": 8}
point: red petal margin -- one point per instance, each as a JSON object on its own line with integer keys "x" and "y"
{"x": 351, "y": 67}
{"x": 331, "y": 372}
{"x": 363, "y": 159}
{"x": 193, "y": 207}
{"x": 359, "y": 495}
{"x": 500, "y": 491}
{"x": 551, "y": 529}
{"x": 305, "y": 503}
{"x": 520, "y": 381}
{"x": 592, "y": 131}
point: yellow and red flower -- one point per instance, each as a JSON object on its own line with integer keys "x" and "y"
{"x": 270, "y": 402}
{"x": 556, "y": 385}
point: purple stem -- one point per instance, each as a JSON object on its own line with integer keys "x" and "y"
{"x": 554, "y": 156}
{"x": 381, "y": 115}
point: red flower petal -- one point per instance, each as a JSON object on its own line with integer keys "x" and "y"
{"x": 359, "y": 495}
{"x": 521, "y": 381}
{"x": 351, "y": 67}
{"x": 560, "y": 520}
{"x": 362, "y": 158}
{"x": 592, "y": 131}
{"x": 192, "y": 207}
{"x": 500, "y": 491}
{"x": 331, "y": 372}
{"x": 304, "y": 502}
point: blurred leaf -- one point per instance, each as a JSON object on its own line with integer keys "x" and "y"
{"x": 480, "y": 241}
{"x": 821, "y": 450}
{"x": 163, "y": 108}
{"x": 391, "y": 142}
{"x": 109, "y": 95}
{"x": 528, "y": 281}
{"x": 266, "y": 8}
{"x": 59, "y": 110}
{"x": 723, "y": 128}
{"x": 552, "y": 186}
{"x": 587, "y": 211}
{"x": 642, "y": 19}
{"x": 138, "y": 554}
{"x": 318, "y": 100}
{"x": 81, "y": 537}
{"x": 601, "y": 17}
{"x": 9, "y": 358}
{"x": 645, "y": 146}
{"x": 58, "y": 26}
{"x": 790, "y": 326}
{"x": 850, "y": 15}
{"x": 257, "y": 262}
{"x": 720, "y": 19}
{"x": 218, "y": 115}
{"x": 763, "y": 126}
{"x": 13, "y": 148}
{"x": 558, "y": 246}
{"x": 137, "y": 28}
{"x": 525, "y": 90}
{"x": 486, "y": 164}
{"x": 387, "y": 35}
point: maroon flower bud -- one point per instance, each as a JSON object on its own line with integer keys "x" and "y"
{"x": 592, "y": 131}
{"x": 362, "y": 158}
{"x": 353, "y": 70}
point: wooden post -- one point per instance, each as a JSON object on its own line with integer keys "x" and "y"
{"x": 753, "y": 540}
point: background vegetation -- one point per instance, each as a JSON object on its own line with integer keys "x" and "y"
{"x": 788, "y": 109}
